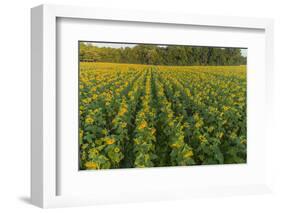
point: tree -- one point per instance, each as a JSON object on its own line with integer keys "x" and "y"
{"x": 162, "y": 55}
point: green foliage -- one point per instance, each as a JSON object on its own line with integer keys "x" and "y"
{"x": 161, "y": 55}
{"x": 153, "y": 116}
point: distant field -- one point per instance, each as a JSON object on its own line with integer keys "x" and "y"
{"x": 154, "y": 116}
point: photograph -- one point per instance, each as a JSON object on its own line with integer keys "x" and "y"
{"x": 161, "y": 105}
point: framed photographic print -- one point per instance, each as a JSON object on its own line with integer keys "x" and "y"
{"x": 148, "y": 105}
{"x": 130, "y": 106}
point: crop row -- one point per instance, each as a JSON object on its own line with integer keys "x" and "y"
{"x": 148, "y": 116}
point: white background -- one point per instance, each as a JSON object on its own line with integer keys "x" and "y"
{"x": 15, "y": 105}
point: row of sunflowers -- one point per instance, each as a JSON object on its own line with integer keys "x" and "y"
{"x": 137, "y": 116}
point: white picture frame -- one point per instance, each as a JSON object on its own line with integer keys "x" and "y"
{"x": 45, "y": 172}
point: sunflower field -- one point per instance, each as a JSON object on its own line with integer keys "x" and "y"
{"x": 137, "y": 116}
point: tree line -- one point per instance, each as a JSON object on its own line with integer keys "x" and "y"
{"x": 173, "y": 55}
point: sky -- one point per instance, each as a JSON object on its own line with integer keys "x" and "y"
{"x": 244, "y": 52}
{"x": 119, "y": 45}
{"x": 113, "y": 45}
